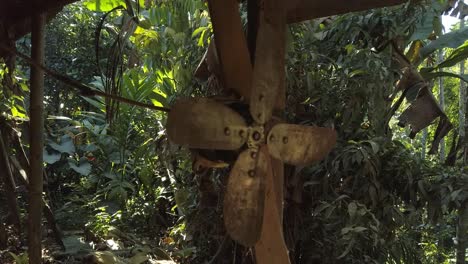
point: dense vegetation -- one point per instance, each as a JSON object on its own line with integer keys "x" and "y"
{"x": 116, "y": 184}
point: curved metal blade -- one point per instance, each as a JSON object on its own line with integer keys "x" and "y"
{"x": 269, "y": 73}
{"x": 231, "y": 45}
{"x": 300, "y": 145}
{"x": 205, "y": 124}
{"x": 245, "y": 197}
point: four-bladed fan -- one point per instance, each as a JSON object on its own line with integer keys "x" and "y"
{"x": 203, "y": 123}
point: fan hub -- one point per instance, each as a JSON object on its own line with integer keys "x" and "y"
{"x": 256, "y": 137}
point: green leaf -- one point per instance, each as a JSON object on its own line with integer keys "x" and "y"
{"x": 65, "y": 146}
{"x": 348, "y": 249}
{"x": 17, "y": 113}
{"x": 458, "y": 55}
{"x": 359, "y": 229}
{"x": 103, "y": 5}
{"x": 432, "y": 75}
{"x": 50, "y": 158}
{"x": 198, "y": 31}
{"x": 425, "y": 27}
{"x": 352, "y": 208}
{"x": 451, "y": 40}
{"x": 83, "y": 167}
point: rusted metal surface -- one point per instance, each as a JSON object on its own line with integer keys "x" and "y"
{"x": 300, "y": 145}
{"x": 205, "y": 124}
{"x": 245, "y": 197}
{"x": 269, "y": 71}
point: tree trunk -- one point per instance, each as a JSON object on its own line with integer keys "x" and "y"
{"x": 423, "y": 144}
{"x": 10, "y": 186}
{"x": 36, "y": 142}
{"x": 462, "y": 227}
{"x": 462, "y": 233}
{"x": 442, "y": 106}
{"x": 3, "y": 237}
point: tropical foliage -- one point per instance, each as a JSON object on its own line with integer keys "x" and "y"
{"x": 121, "y": 191}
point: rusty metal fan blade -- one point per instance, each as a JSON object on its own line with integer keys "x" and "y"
{"x": 300, "y": 145}
{"x": 205, "y": 124}
{"x": 269, "y": 72}
{"x": 231, "y": 45}
{"x": 245, "y": 197}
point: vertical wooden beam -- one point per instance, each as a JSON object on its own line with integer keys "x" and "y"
{"x": 36, "y": 141}
{"x": 231, "y": 46}
{"x": 253, "y": 7}
{"x": 271, "y": 248}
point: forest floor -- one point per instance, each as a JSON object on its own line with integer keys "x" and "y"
{"x": 80, "y": 244}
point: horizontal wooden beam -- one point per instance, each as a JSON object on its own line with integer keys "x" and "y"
{"x": 301, "y": 10}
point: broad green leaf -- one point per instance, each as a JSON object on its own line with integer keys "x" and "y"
{"x": 103, "y": 5}
{"x": 425, "y": 27}
{"x": 83, "y": 167}
{"x": 458, "y": 55}
{"x": 52, "y": 117}
{"x": 17, "y": 113}
{"x": 432, "y": 75}
{"x": 50, "y": 158}
{"x": 450, "y": 40}
{"x": 65, "y": 146}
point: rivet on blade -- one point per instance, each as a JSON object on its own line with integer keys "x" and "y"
{"x": 251, "y": 173}
{"x": 256, "y": 136}
{"x": 253, "y": 155}
{"x": 227, "y": 132}
{"x": 285, "y": 140}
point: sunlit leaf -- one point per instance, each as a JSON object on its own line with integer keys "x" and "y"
{"x": 103, "y": 5}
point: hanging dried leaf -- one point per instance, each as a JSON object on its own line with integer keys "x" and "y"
{"x": 421, "y": 112}
{"x": 245, "y": 197}
{"x": 442, "y": 130}
{"x": 205, "y": 124}
{"x": 300, "y": 145}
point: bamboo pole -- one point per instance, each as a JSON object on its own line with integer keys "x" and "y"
{"x": 36, "y": 141}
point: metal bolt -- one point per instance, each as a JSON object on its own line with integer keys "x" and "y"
{"x": 253, "y": 154}
{"x": 227, "y": 132}
{"x": 256, "y": 136}
{"x": 285, "y": 140}
{"x": 251, "y": 173}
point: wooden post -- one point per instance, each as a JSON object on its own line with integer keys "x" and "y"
{"x": 271, "y": 248}
{"x": 36, "y": 142}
